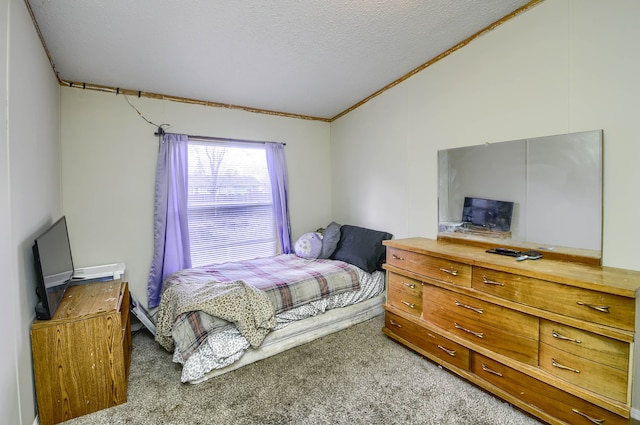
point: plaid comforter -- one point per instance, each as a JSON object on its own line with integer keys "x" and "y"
{"x": 287, "y": 280}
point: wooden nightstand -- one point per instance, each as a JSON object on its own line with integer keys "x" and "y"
{"x": 81, "y": 356}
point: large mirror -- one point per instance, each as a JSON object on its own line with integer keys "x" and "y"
{"x": 542, "y": 193}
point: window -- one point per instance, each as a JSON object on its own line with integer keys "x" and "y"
{"x": 230, "y": 209}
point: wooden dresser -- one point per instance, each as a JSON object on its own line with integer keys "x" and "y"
{"x": 81, "y": 356}
{"x": 553, "y": 338}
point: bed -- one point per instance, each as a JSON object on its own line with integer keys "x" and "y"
{"x": 218, "y": 318}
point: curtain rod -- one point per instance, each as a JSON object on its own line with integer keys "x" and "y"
{"x": 161, "y": 132}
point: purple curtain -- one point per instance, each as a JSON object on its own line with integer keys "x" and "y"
{"x": 280, "y": 193}
{"x": 170, "y": 229}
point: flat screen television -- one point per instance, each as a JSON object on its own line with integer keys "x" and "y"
{"x": 54, "y": 267}
{"x": 487, "y": 213}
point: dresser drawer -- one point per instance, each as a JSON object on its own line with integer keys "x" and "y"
{"x": 557, "y": 403}
{"x": 405, "y": 293}
{"x": 585, "y": 373}
{"x": 431, "y": 267}
{"x": 600, "y": 349}
{"x": 405, "y": 284}
{"x": 437, "y": 345}
{"x": 585, "y": 304}
{"x": 602, "y": 363}
{"x": 494, "y": 327}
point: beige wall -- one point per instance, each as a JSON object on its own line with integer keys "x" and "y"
{"x": 8, "y": 371}
{"x": 109, "y": 161}
{"x": 563, "y": 66}
{"x": 30, "y": 196}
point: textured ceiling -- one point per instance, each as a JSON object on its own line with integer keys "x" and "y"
{"x": 313, "y": 58}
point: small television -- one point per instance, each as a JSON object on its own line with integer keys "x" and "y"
{"x": 487, "y": 213}
{"x": 54, "y": 267}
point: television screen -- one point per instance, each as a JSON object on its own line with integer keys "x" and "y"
{"x": 54, "y": 267}
{"x": 487, "y": 213}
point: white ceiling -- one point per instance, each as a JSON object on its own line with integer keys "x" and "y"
{"x": 313, "y": 58}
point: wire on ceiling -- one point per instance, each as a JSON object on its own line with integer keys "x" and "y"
{"x": 160, "y": 128}
{"x": 160, "y": 132}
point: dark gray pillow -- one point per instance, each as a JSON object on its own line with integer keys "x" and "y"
{"x": 361, "y": 247}
{"x": 330, "y": 238}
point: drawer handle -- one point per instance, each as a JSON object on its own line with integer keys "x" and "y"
{"x": 487, "y": 369}
{"x": 561, "y": 366}
{"x": 600, "y": 308}
{"x": 565, "y": 338}
{"x": 449, "y": 271}
{"x": 395, "y": 257}
{"x": 592, "y": 419}
{"x": 394, "y": 323}
{"x": 491, "y": 282}
{"x": 478, "y": 334}
{"x": 408, "y": 304}
{"x": 410, "y": 285}
{"x": 452, "y": 353}
{"x": 476, "y": 309}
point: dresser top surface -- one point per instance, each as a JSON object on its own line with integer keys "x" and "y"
{"x": 90, "y": 299}
{"x": 608, "y": 279}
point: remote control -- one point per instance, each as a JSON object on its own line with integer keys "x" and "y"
{"x": 505, "y": 251}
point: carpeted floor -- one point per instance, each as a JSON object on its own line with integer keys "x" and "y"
{"x": 356, "y": 376}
